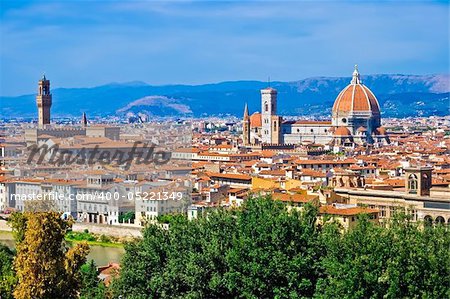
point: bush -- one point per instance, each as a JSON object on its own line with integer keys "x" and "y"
{"x": 104, "y": 239}
{"x": 77, "y": 236}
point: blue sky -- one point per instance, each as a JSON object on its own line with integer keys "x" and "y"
{"x": 89, "y": 43}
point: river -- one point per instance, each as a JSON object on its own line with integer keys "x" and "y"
{"x": 101, "y": 255}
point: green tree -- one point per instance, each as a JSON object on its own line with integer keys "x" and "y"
{"x": 127, "y": 217}
{"x": 261, "y": 251}
{"x": 353, "y": 261}
{"x": 91, "y": 286}
{"x": 7, "y": 275}
{"x": 171, "y": 218}
{"x": 401, "y": 260}
{"x": 265, "y": 250}
{"x": 45, "y": 267}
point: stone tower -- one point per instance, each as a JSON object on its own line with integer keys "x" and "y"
{"x": 270, "y": 121}
{"x": 418, "y": 180}
{"x": 246, "y": 127}
{"x": 44, "y": 102}
{"x": 84, "y": 120}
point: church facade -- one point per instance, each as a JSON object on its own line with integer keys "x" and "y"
{"x": 356, "y": 120}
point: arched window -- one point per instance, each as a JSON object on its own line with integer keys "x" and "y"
{"x": 412, "y": 183}
{"x": 266, "y": 107}
{"x": 428, "y": 220}
{"x": 425, "y": 181}
{"x": 440, "y": 220}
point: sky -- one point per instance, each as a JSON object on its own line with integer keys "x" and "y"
{"x": 91, "y": 43}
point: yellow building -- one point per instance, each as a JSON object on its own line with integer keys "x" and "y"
{"x": 346, "y": 215}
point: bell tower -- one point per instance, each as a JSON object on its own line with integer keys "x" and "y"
{"x": 44, "y": 102}
{"x": 271, "y": 122}
{"x": 246, "y": 127}
{"x": 418, "y": 180}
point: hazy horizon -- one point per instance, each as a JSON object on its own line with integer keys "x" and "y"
{"x": 33, "y": 86}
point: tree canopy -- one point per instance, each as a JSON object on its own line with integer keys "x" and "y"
{"x": 7, "y": 275}
{"x": 91, "y": 287}
{"x": 44, "y": 266}
{"x": 265, "y": 250}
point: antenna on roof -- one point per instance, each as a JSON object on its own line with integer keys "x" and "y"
{"x": 268, "y": 80}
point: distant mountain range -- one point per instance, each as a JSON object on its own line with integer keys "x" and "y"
{"x": 399, "y": 95}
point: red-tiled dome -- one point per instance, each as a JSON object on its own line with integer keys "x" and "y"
{"x": 379, "y": 131}
{"x": 361, "y": 129}
{"x": 342, "y": 131}
{"x": 356, "y": 97}
{"x": 255, "y": 120}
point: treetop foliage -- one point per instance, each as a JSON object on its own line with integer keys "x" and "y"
{"x": 264, "y": 250}
{"x": 44, "y": 266}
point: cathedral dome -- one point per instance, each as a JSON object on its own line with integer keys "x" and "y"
{"x": 255, "y": 120}
{"x": 356, "y": 98}
{"x": 342, "y": 131}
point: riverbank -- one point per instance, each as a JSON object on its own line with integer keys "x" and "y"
{"x": 102, "y": 255}
{"x": 93, "y": 239}
{"x": 127, "y": 232}
{"x": 96, "y": 243}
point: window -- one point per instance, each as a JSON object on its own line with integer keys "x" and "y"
{"x": 266, "y": 107}
{"x": 391, "y": 211}
{"x": 412, "y": 183}
{"x": 382, "y": 211}
{"x": 344, "y": 120}
{"x": 425, "y": 181}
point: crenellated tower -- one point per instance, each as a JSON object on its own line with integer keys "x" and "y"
{"x": 84, "y": 120}
{"x": 44, "y": 102}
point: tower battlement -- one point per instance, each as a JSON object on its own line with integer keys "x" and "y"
{"x": 44, "y": 102}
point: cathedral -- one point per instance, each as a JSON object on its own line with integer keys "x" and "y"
{"x": 355, "y": 120}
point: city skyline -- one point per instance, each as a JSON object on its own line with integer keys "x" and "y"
{"x": 195, "y": 43}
